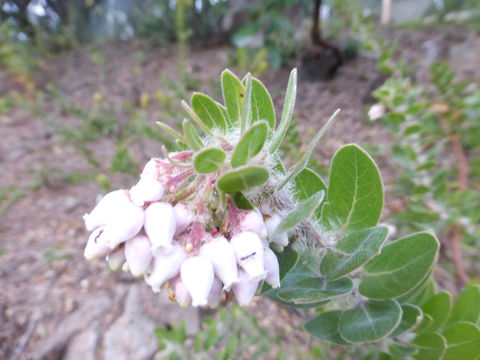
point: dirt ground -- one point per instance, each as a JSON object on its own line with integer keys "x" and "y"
{"x": 43, "y": 275}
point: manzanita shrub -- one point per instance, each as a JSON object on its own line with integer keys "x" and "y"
{"x": 222, "y": 219}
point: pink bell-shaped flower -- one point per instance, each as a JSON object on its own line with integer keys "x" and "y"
{"x": 181, "y": 294}
{"x": 273, "y": 270}
{"x": 245, "y": 288}
{"x": 197, "y": 275}
{"x": 215, "y": 295}
{"x": 96, "y": 246}
{"x": 281, "y": 240}
{"x": 147, "y": 189}
{"x": 116, "y": 258}
{"x": 253, "y": 221}
{"x": 166, "y": 264}
{"x": 138, "y": 254}
{"x": 221, "y": 254}
{"x": 249, "y": 253}
{"x": 105, "y": 209}
{"x": 183, "y": 217}
{"x": 160, "y": 224}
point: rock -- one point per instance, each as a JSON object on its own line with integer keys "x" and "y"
{"x": 84, "y": 345}
{"x": 131, "y": 336}
{"x": 93, "y": 308}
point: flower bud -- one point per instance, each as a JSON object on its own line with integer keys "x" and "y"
{"x": 181, "y": 294}
{"x": 253, "y": 221}
{"x": 183, "y": 217}
{"x": 245, "y": 288}
{"x": 138, "y": 254}
{"x": 279, "y": 241}
{"x": 126, "y": 222}
{"x": 116, "y": 258}
{"x": 166, "y": 264}
{"x": 96, "y": 246}
{"x": 249, "y": 253}
{"x": 146, "y": 190}
{"x": 215, "y": 294}
{"x": 273, "y": 270}
{"x": 107, "y": 206}
{"x": 197, "y": 275}
{"x": 160, "y": 224}
{"x": 220, "y": 252}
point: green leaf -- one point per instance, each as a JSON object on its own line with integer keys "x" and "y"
{"x": 241, "y": 202}
{"x": 430, "y": 346}
{"x": 423, "y": 291}
{"x": 287, "y": 114}
{"x": 233, "y": 96}
{"x": 370, "y": 321}
{"x": 305, "y": 158}
{"x": 355, "y": 195}
{"x": 172, "y": 132}
{"x": 379, "y": 356}
{"x": 262, "y": 104}
{"x": 250, "y": 144}
{"x": 192, "y": 137}
{"x": 307, "y": 183}
{"x": 313, "y": 289}
{"x": 411, "y": 316}
{"x": 208, "y": 111}
{"x": 242, "y": 179}
{"x": 401, "y": 351}
{"x": 193, "y": 115}
{"x": 467, "y": 305}
{"x": 425, "y": 324}
{"x": 209, "y": 160}
{"x": 401, "y": 265}
{"x": 463, "y": 341}
{"x": 325, "y": 327}
{"x": 247, "y": 104}
{"x": 438, "y": 307}
{"x": 303, "y": 211}
{"x": 354, "y": 251}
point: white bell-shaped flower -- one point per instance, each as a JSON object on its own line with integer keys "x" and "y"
{"x": 181, "y": 294}
{"x": 273, "y": 270}
{"x": 166, "y": 264}
{"x": 281, "y": 240}
{"x": 160, "y": 224}
{"x": 220, "y": 252}
{"x": 116, "y": 258}
{"x": 96, "y": 246}
{"x": 245, "y": 288}
{"x": 215, "y": 295}
{"x": 249, "y": 253}
{"x": 124, "y": 225}
{"x": 147, "y": 189}
{"x": 253, "y": 221}
{"x": 183, "y": 217}
{"x": 138, "y": 254}
{"x": 105, "y": 209}
{"x": 197, "y": 275}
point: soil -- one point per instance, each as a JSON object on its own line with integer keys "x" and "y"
{"x": 43, "y": 274}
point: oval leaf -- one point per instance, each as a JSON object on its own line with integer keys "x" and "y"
{"x": 355, "y": 195}
{"x": 463, "y": 341}
{"x": 307, "y": 183}
{"x": 262, "y": 104}
{"x": 241, "y": 202}
{"x": 209, "y": 160}
{"x": 242, "y": 179}
{"x": 208, "y": 111}
{"x": 438, "y": 307}
{"x": 430, "y": 346}
{"x": 354, "y": 251}
{"x": 467, "y": 305}
{"x": 250, "y": 144}
{"x": 314, "y": 289}
{"x": 325, "y": 327}
{"x": 411, "y": 316}
{"x": 400, "y": 267}
{"x": 303, "y": 211}
{"x": 370, "y": 321}
{"x": 233, "y": 96}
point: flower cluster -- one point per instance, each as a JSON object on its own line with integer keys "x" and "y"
{"x": 176, "y": 241}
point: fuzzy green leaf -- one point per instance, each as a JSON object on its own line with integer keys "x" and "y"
{"x": 430, "y": 346}
{"x": 242, "y": 179}
{"x": 208, "y": 111}
{"x": 401, "y": 265}
{"x": 250, "y": 144}
{"x": 241, "y": 202}
{"x": 307, "y": 183}
{"x": 325, "y": 327}
{"x": 467, "y": 305}
{"x": 313, "y": 289}
{"x": 209, "y": 160}
{"x": 354, "y": 251}
{"x": 438, "y": 307}
{"x": 247, "y": 104}
{"x": 287, "y": 114}
{"x": 411, "y": 316}
{"x": 303, "y": 211}
{"x": 370, "y": 321}
{"x": 233, "y": 96}
{"x": 355, "y": 196}
{"x": 192, "y": 136}
{"x": 262, "y": 104}
{"x": 463, "y": 341}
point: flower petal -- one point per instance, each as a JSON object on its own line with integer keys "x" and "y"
{"x": 220, "y": 252}
{"x": 160, "y": 224}
{"x": 138, "y": 254}
{"x": 197, "y": 275}
{"x": 166, "y": 264}
{"x": 245, "y": 288}
{"x": 249, "y": 253}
